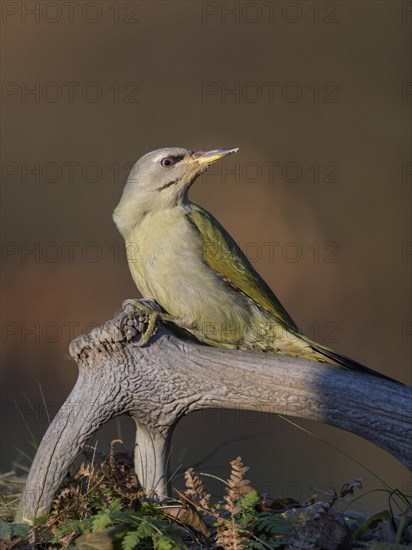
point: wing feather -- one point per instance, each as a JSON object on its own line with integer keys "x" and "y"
{"x": 224, "y": 256}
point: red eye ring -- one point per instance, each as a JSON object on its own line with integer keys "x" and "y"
{"x": 167, "y": 162}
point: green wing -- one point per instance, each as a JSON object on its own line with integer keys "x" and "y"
{"x": 224, "y": 256}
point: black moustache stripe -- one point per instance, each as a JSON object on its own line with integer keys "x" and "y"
{"x": 168, "y": 184}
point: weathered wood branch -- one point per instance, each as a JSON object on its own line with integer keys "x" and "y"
{"x": 164, "y": 381}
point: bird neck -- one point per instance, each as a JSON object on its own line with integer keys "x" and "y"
{"x": 129, "y": 214}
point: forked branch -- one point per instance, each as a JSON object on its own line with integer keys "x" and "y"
{"x": 166, "y": 380}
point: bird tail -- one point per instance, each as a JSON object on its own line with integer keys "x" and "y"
{"x": 344, "y": 361}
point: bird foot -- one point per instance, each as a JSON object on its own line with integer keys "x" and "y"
{"x": 139, "y": 316}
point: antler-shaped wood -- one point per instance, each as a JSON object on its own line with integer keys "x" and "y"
{"x": 166, "y": 380}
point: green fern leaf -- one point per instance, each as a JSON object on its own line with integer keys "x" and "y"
{"x": 164, "y": 542}
{"x": 101, "y": 521}
{"x": 249, "y": 500}
{"x": 271, "y": 524}
{"x": 131, "y": 540}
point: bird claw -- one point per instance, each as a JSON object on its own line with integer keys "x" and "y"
{"x": 141, "y": 316}
{"x": 138, "y": 316}
{"x": 145, "y": 305}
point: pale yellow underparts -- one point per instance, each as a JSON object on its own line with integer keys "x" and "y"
{"x": 165, "y": 256}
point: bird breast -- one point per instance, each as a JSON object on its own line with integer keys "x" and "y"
{"x": 165, "y": 255}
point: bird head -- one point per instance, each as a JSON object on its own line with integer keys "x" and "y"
{"x": 162, "y": 178}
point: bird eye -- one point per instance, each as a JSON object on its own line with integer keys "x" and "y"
{"x": 167, "y": 162}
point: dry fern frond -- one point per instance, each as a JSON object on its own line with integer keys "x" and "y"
{"x": 230, "y": 534}
{"x": 97, "y": 482}
{"x": 195, "y": 490}
{"x": 86, "y": 470}
{"x": 70, "y": 503}
{"x": 122, "y": 471}
{"x": 238, "y": 487}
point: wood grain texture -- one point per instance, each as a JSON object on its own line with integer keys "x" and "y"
{"x": 166, "y": 380}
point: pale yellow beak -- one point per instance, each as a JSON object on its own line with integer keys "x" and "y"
{"x": 209, "y": 157}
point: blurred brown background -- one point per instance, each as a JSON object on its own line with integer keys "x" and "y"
{"x": 315, "y": 94}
